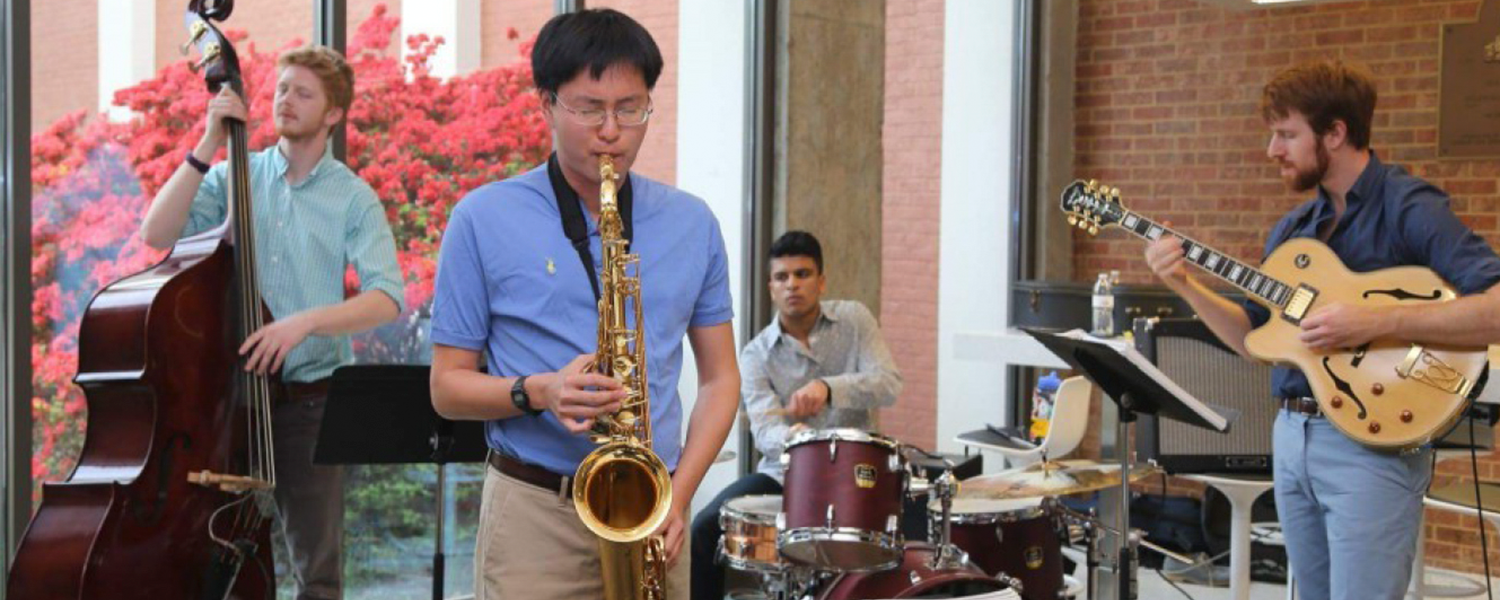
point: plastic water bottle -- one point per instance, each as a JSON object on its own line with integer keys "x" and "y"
{"x": 1041, "y": 405}
{"x": 1104, "y": 307}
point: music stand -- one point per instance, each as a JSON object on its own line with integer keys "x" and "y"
{"x": 1136, "y": 386}
{"x": 382, "y": 414}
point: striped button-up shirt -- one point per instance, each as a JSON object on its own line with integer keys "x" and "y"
{"x": 306, "y": 235}
{"x": 844, "y": 349}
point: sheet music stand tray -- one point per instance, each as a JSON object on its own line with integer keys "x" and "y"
{"x": 382, "y": 414}
{"x": 1136, "y": 387}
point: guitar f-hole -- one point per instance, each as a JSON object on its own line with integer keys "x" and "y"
{"x": 1343, "y": 386}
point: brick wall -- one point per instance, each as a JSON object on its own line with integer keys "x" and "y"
{"x": 498, "y": 16}
{"x": 64, "y": 61}
{"x": 912, "y": 147}
{"x": 1166, "y": 110}
{"x": 658, "y": 156}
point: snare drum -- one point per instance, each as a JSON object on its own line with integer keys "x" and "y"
{"x": 915, "y": 578}
{"x": 1016, "y": 537}
{"x": 749, "y": 524}
{"x": 841, "y": 507}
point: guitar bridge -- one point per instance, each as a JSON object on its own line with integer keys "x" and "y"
{"x": 1297, "y": 306}
{"x": 1426, "y": 368}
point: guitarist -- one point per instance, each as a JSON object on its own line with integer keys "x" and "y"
{"x": 313, "y": 219}
{"x": 1350, "y": 514}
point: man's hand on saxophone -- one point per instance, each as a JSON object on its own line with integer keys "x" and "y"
{"x": 577, "y": 397}
{"x": 674, "y": 531}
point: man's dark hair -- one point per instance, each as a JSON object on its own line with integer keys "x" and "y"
{"x": 798, "y": 243}
{"x": 595, "y": 39}
{"x": 1324, "y": 91}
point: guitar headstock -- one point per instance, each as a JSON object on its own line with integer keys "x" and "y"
{"x": 1091, "y": 206}
{"x": 219, "y": 65}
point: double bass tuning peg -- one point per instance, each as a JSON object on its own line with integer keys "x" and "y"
{"x": 210, "y": 54}
{"x": 196, "y": 32}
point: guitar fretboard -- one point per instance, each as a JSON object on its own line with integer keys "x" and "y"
{"x": 1242, "y": 276}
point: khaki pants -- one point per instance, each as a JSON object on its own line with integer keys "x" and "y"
{"x": 531, "y": 546}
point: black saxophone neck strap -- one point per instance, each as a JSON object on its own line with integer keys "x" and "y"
{"x": 576, "y": 226}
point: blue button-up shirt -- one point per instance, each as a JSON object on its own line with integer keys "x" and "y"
{"x": 510, "y": 284}
{"x": 1391, "y": 219}
{"x": 306, "y": 235}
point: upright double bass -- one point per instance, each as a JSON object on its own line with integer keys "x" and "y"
{"x": 171, "y": 497}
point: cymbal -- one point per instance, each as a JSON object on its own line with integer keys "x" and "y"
{"x": 1054, "y": 478}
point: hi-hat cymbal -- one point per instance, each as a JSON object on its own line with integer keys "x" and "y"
{"x": 1056, "y": 478}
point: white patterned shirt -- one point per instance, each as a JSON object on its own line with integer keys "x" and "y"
{"x": 844, "y": 349}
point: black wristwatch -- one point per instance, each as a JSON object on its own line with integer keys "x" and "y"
{"x": 521, "y": 399}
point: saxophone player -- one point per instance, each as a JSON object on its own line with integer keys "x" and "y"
{"x": 518, "y": 286}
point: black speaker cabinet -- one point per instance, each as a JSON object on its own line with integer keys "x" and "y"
{"x": 1186, "y": 351}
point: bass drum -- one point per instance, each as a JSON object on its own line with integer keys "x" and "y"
{"x": 916, "y": 578}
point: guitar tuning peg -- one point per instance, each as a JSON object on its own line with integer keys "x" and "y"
{"x": 1072, "y": 220}
{"x": 1093, "y": 230}
{"x": 194, "y": 33}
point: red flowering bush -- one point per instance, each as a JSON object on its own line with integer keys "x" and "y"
{"x": 419, "y": 141}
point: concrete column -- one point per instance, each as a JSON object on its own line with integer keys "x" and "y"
{"x": 127, "y": 50}
{"x": 456, "y": 21}
{"x": 830, "y": 83}
{"x": 974, "y": 251}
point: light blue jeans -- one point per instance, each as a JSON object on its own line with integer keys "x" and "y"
{"x": 1351, "y": 515}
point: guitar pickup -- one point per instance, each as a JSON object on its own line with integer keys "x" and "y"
{"x": 1435, "y": 373}
{"x": 1297, "y": 306}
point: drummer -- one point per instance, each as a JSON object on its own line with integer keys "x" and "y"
{"x": 820, "y": 364}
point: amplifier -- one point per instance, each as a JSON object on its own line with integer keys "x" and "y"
{"x": 1069, "y": 304}
{"x": 1187, "y": 352}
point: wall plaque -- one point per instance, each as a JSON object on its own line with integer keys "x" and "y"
{"x": 1469, "y": 92}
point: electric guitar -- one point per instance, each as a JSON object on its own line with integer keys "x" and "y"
{"x": 1385, "y": 394}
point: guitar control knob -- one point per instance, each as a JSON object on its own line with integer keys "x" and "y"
{"x": 1377, "y": 389}
{"x": 1405, "y": 416}
{"x": 1374, "y": 427}
{"x": 1337, "y": 402}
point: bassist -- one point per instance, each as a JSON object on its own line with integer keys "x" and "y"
{"x": 313, "y": 218}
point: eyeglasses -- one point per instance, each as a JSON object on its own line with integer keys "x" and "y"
{"x": 594, "y": 117}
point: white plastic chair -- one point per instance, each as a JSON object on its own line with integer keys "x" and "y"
{"x": 1070, "y": 421}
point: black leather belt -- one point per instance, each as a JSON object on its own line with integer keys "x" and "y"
{"x": 1303, "y": 404}
{"x": 532, "y": 474}
{"x": 296, "y": 391}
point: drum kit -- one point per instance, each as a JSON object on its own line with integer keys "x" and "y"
{"x": 835, "y": 532}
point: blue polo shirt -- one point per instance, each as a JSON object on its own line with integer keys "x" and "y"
{"x": 510, "y": 284}
{"x": 1392, "y": 219}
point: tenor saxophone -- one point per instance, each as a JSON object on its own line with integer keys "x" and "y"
{"x": 622, "y": 490}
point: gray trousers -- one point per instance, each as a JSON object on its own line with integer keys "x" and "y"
{"x": 311, "y": 500}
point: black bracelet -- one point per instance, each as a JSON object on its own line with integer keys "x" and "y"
{"x": 198, "y": 165}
